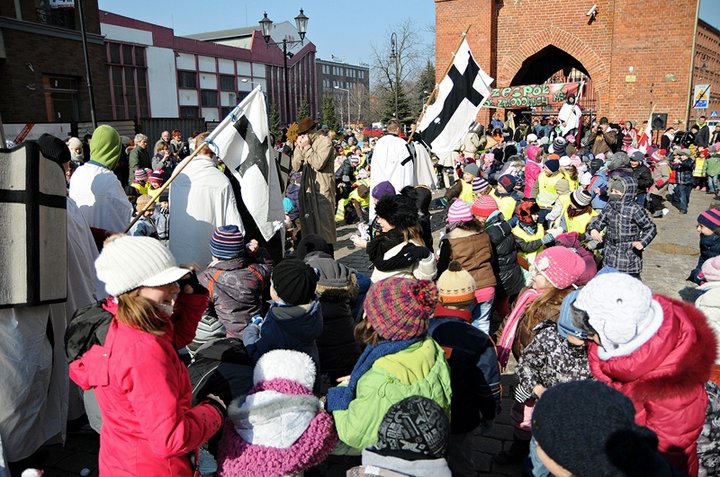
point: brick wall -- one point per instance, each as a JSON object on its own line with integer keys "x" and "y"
{"x": 653, "y": 38}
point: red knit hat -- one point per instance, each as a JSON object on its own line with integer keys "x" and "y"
{"x": 484, "y": 206}
{"x": 525, "y": 211}
{"x": 561, "y": 266}
{"x": 399, "y": 308}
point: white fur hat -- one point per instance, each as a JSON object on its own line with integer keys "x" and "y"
{"x": 285, "y": 364}
{"x": 621, "y": 310}
{"x": 121, "y": 271}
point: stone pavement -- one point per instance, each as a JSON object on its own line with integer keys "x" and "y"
{"x": 668, "y": 262}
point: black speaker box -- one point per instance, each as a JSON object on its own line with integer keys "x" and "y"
{"x": 659, "y": 121}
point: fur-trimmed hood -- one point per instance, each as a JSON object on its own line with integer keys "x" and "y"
{"x": 280, "y": 428}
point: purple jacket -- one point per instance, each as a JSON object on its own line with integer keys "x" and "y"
{"x": 237, "y": 290}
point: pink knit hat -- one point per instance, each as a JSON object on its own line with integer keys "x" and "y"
{"x": 459, "y": 212}
{"x": 711, "y": 269}
{"x": 484, "y": 206}
{"x": 561, "y": 266}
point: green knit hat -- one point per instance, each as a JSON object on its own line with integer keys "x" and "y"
{"x": 105, "y": 146}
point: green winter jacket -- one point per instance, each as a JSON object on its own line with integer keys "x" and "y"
{"x": 712, "y": 164}
{"x": 419, "y": 370}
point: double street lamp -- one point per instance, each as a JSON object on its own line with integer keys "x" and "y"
{"x": 395, "y": 56}
{"x": 348, "y": 108}
{"x": 301, "y": 22}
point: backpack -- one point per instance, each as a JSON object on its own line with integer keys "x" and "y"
{"x": 88, "y": 326}
{"x": 223, "y": 368}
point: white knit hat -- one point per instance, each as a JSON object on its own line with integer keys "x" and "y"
{"x": 622, "y": 311}
{"x": 121, "y": 271}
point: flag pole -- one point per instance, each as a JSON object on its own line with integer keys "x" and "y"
{"x": 175, "y": 173}
{"x": 431, "y": 98}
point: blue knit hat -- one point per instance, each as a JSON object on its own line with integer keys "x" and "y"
{"x": 227, "y": 242}
{"x": 566, "y": 325}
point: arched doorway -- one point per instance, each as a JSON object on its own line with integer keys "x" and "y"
{"x": 551, "y": 64}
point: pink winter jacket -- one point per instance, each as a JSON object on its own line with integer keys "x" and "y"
{"x": 665, "y": 379}
{"x": 150, "y": 427}
{"x": 532, "y": 171}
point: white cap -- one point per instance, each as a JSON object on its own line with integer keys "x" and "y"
{"x": 127, "y": 263}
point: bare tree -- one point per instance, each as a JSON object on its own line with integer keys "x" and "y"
{"x": 398, "y": 70}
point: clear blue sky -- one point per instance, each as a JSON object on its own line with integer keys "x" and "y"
{"x": 345, "y": 29}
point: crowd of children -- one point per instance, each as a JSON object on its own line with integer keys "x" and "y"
{"x": 395, "y": 373}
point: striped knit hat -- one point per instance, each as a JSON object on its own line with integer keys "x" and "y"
{"x": 156, "y": 178}
{"x": 456, "y": 286}
{"x": 580, "y": 198}
{"x": 459, "y": 212}
{"x": 710, "y": 219}
{"x": 227, "y": 242}
{"x": 480, "y": 185}
{"x": 399, "y": 308}
{"x": 141, "y": 175}
{"x": 484, "y": 206}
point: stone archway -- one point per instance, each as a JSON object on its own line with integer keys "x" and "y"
{"x": 567, "y": 51}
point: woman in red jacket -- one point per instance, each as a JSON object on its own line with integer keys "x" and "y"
{"x": 656, "y": 351}
{"x": 150, "y": 427}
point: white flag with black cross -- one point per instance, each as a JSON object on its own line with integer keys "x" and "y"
{"x": 242, "y": 141}
{"x": 460, "y": 95}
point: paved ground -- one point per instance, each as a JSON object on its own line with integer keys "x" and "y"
{"x": 667, "y": 262}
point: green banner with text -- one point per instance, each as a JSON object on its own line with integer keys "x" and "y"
{"x": 532, "y": 95}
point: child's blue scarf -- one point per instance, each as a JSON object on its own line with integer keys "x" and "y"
{"x": 339, "y": 398}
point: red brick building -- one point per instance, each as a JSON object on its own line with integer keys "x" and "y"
{"x": 707, "y": 68}
{"x": 636, "y": 55}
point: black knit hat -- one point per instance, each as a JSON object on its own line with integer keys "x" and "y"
{"x": 417, "y": 425}
{"x": 398, "y": 210}
{"x": 54, "y": 149}
{"x": 589, "y": 429}
{"x": 294, "y": 281}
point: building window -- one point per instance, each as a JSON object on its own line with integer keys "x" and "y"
{"x": 187, "y": 79}
{"x": 225, "y": 110}
{"x": 227, "y": 83}
{"x": 189, "y": 111}
{"x": 208, "y": 98}
{"x": 59, "y": 17}
{"x": 61, "y": 94}
{"x": 127, "y": 72}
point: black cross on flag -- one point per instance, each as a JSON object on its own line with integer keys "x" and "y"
{"x": 257, "y": 150}
{"x": 461, "y": 94}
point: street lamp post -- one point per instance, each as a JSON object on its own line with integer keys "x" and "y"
{"x": 301, "y": 24}
{"x": 395, "y": 56}
{"x": 348, "y": 108}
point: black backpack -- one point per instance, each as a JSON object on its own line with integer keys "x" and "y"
{"x": 221, "y": 367}
{"x": 88, "y": 326}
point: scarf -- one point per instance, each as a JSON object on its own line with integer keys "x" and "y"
{"x": 339, "y": 398}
